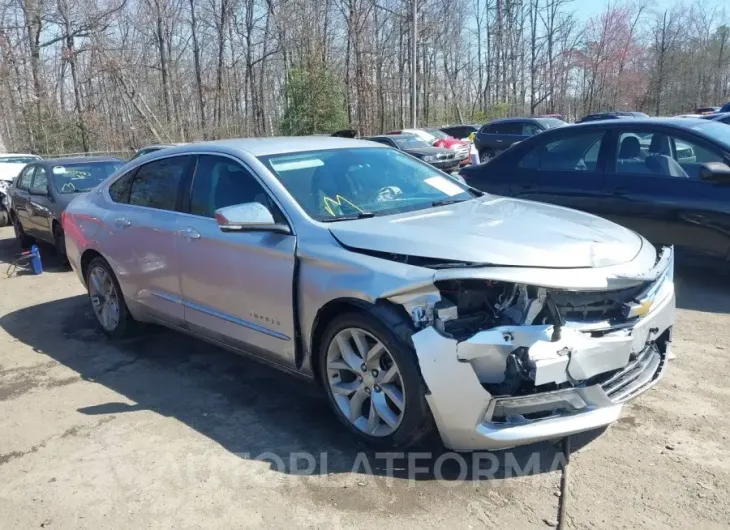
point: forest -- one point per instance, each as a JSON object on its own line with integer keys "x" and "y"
{"x": 113, "y": 75}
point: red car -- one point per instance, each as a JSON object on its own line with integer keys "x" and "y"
{"x": 438, "y": 138}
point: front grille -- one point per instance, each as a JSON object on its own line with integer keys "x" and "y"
{"x": 592, "y": 306}
{"x": 639, "y": 375}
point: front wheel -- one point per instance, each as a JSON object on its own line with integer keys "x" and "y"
{"x": 23, "y": 239}
{"x": 373, "y": 383}
{"x": 4, "y": 217}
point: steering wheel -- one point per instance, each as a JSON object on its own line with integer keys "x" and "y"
{"x": 387, "y": 194}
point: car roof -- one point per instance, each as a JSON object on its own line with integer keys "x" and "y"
{"x": 505, "y": 120}
{"x": 685, "y": 123}
{"x": 392, "y": 136}
{"x": 13, "y": 155}
{"x": 79, "y": 160}
{"x": 269, "y": 146}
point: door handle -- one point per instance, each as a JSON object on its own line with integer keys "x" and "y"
{"x": 122, "y": 222}
{"x": 618, "y": 190}
{"x": 499, "y": 141}
{"x": 190, "y": 233}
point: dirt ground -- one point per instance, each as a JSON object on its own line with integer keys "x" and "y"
{"x": 166, "y": 431}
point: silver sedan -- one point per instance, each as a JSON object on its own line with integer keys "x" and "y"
{"x": 417, "y": 302}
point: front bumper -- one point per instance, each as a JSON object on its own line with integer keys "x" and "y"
{"x": 447, "y": 165}
{"x": 595, "y": 373}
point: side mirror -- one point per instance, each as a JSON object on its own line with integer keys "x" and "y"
{"x": 248, "y": 217}
{"x": 715, "y": 172}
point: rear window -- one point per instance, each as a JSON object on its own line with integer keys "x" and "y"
{"x": 551, "y": 123}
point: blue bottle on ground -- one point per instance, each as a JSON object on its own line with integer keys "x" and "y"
{"x": 35, "y": 261}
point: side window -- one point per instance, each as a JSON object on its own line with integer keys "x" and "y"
{"x": 512, "y": 128}
{"x": 664, "y": 155}
{"x": 25, "y": 177}
{"x": 40, "y": 180}
{"x": 221, "y": 182}
{"x": 157, "y": 183}
{"x": 121, "y": 189}
{"x": 571, "y": 153}
{"x": 530, "y": 129}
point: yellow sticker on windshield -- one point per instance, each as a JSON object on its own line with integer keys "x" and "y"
{"x": 339, "y": 200}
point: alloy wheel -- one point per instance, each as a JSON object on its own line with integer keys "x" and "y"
{"x": 365, "y": 382}
{"x": 104, "y": 298}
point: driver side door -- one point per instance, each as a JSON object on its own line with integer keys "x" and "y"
{"x": 40, "y": 206}
{"x": 237, "y": 287}
{"x": 669, "y": 203}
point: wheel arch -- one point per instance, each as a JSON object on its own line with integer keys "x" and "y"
{"x": 392, "y": 315}
{"x": 86, "y": 258}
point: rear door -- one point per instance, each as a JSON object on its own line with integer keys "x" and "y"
{"x": 142, "y": 240}
{"x": 566, "y": 170}
{"x": 656, "y": 190}
{"x": 508, "y": 133}
{"x": 21, "y": 196}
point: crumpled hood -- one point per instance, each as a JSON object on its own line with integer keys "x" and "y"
{"x": 496, "y": 231}
{"x": 8, "y": 171}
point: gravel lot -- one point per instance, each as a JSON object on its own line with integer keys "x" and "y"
{"x": 167, "y": 431}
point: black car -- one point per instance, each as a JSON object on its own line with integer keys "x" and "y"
{"x": 666, "y": 178}
{"x": 460, "y": 132}
{"x": 613, "y": 115}
{"x": 498, "y": 135}
{"x": 44, "y": 188}
{"x": 439, "y": 157}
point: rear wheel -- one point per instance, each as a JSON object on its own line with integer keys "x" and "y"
{"x": 59, "y": 240}
{"x": 485, "y": 155}
{"x": 373, "y": 383}
{"x": 107, "y": 300}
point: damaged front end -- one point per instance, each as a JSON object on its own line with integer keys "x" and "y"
{"x": 509, "y": 363}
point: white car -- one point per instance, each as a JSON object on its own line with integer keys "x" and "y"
{"x": 11, "y": 164}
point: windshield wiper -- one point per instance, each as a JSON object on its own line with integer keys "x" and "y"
{"x": 349, "y": 217}
{"x": 444, "y": 202}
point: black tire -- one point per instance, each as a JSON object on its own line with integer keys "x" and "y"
{"x": 4, "y": 217}
{"x": 417, "y": 422}
{"x": 485, "y": 155}
{"x": 59, "y": 242}
{"x": 127, "y": 326}
{"x": 23, "y": 239}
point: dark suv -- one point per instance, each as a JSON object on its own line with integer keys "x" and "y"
{"x": 498, "y": 135}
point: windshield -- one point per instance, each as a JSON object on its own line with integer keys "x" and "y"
{"x": 441, "y": 135}
{"x": 83, "y": 176}
{"x": 407, "y": 141}
{"x": 338, "y": 183}
{"x": 18, "y": 159}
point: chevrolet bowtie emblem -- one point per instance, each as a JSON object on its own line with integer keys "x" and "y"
{"x": 638, "y": 309}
